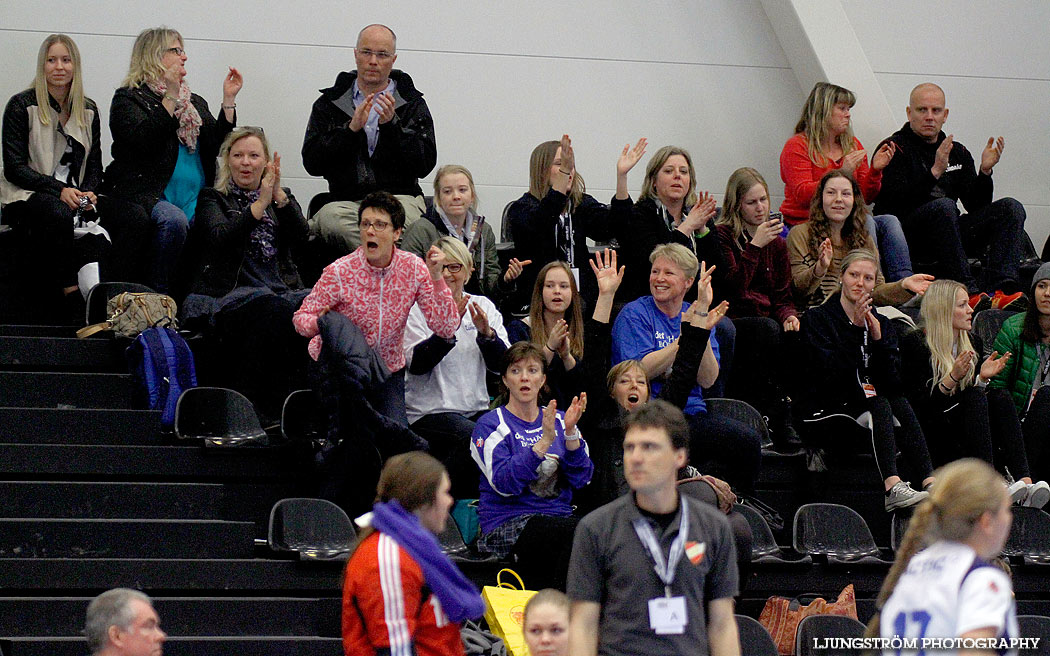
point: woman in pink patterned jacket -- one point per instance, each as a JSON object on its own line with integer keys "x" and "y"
{"x": 375, "y": 287}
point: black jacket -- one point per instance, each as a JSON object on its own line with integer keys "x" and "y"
{"x": 17, "y": 129}
{"x": 219, "y": 237}
{"x": 406, "y": 149}
{"x": 917, "y": 372}
{"x": 908, "y": 184}
{"x": 832, "y": 358}
{"x": 640, "y": 227}
{"x": 146, "y": 146}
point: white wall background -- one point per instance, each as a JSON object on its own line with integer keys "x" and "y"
{"x": 500, "y": 77}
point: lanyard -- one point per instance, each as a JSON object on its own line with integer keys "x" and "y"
{"x": 665, "y": 569}
{"x": 865, "y": 354}
{"x": 565, "y": 236}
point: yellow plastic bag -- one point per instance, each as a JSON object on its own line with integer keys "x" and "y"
{"x": 505, "y": 612}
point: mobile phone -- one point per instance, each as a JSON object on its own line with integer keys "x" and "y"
{"x": 776, "y": 216}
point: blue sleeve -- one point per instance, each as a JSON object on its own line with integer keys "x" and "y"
{"x": 632, "y": 336}
{"x": 508, "y": 468}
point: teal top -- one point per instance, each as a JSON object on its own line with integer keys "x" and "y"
{"x": 186, "y": 182}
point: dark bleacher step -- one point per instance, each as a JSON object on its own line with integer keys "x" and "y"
{"x": 60, "y": 499}
{"x": 77, "y": 390}
{"x": 147, "y": 463}
{"x": 61, "y": 354}
{"x": 125, "y": 538}
{"x": 193, "y": 646}
{"x": 183, "y": 616}
{"x": 15, "y": 330}
{"x": 22, "y": 576}
{"x": 80, "y": 426}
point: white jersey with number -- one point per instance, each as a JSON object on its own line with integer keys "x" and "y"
{"x": 946, "y": 591}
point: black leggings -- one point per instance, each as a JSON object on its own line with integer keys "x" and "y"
{"x": 543, "y": 550}
{"x": 725, "y": 448}
{"x": 1036, "y": 430}
{"x": 763, "y": 354}
{"x": 980, "y": 425}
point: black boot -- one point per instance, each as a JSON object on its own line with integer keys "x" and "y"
{"x": 782, "y": 427}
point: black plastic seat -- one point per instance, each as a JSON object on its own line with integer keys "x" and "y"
{"x": 986, "y": 325}
{"x": 764, "y": 548}
{"x": 826, "y": 626}
{"x": 315, "y": 529}
{"x": 754, "y": 639}
{"x": 456, "y": 548}
{"x": 99, "y": 295}
{"x": 302, "y": 418}
{"x": 1029, "y": 537}
{"x": 836, "y": 533}
{"x": 743, "y": 412}
{"x": 219, "y": 416}
{"x": 1035, "y": 626}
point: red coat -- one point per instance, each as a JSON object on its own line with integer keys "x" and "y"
{"x": 388, "y": 608}
{"x": 801, "y": 176}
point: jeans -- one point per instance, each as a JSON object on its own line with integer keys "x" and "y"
{"x": 893, "y": 246}
{"x": 170, "y": 226}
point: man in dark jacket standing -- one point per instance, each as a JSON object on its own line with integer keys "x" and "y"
{"x": 922, "y": 185}
{"x": 371, "y": 131}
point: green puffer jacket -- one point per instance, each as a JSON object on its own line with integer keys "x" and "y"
{"x": 1023, "y": 367}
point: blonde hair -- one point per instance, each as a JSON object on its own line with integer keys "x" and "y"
{"x": 146, "y": 55}
{"x": 620, "y": 369}
{"x": 540, "y": 163}
{"x": 555, "y": 598}
{"x": 223, "y": 175}
{"x": 813, "y": 124}
{"x": 75, "y": 102}
{"x": 938, "y": 305}
{"x": 452, "y": 169}
{"x": 573, "y": 314}
{"x": 740, "y": 182}
{"x": 455, "y": 250}
{"x": 965, "y": 490}
{"x": 682, "y": 257}
{"x": 657, "y": 162}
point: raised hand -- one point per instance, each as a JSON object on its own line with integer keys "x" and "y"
{"x": 699, "y": 215}
{"x": 360, "y": 117}
{"x": 874, "y": 327}
{"x": 608, "y": 276}
{"x": 851, "y": 161}
{"x": 630, "y": 156}
{"x": 231, "y": 86}
{"x": 514, "y": 268}
{"x": 792, "y": 324}
{"x": 940, "y": 158}
{"x": 991, "y": 154}
{"x": 461, "y": 303}
{"x": 715, "y": 315}
{"x": 860, "y": 310}
{"x": 883, "y": 155}
{"x": 561, "y": 178}
{"x": 385, "y": 102}
{"x": 558, "y": 340}
{"x": 704, "y": 293}
{"x": 994, "y": 364}
{"x": 435, "y": 260}
{"x": 825, "y": 253}
{"x": 481, "y": 320}
{"x": 917, "y": 283}
{"x": 575, "y": 411}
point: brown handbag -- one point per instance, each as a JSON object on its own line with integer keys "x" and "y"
{"x": 781, "y": 616}
{"x": 132, "y": 312}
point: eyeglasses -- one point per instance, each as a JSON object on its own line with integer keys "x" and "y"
{"x": 380, "y": 226}
{"x": 455, "y": 267}
{"x": 381, "y": 55}
{"x": 178, "y": 51}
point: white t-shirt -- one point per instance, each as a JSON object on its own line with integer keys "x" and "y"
{"x": 945, "y": 592}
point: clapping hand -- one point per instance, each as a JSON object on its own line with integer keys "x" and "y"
{"x": 854, "y": 159}
{"x": 883, "y": 156}
{"x": 558, "y": 339}
{"x": 385, "y": 101}
{"x": 702, "y": 212}
{"x": 481, "y": 320}
{"x": 279, "y": 196}
{"x": 940, "y": 158}
{"x": 962, "y": 365}
{"x": 360, "y": 117}
{"x": 575, "y": 411}
{"x": 461, "y": 303}
{"x": 550, "y": 415}
{"x": 514, "y": 268}
{"x": 991, "y": 154}
{"x": 994, "y": 365}
{"x": 825, "y": 252}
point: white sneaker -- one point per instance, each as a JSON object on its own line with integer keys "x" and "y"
{"x": 1038, "y": 494}
{"x": 1018, "y": 491}
{"x": 901, "y": 495}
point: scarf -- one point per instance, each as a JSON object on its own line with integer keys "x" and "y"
{"x": 459, "y": 598}
{"x": 262, "y": 240}
{"x": 189, "y": 117}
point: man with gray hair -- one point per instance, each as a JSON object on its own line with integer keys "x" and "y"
{"x": 371, "y": 131}
{"x": 122, "y": 622}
